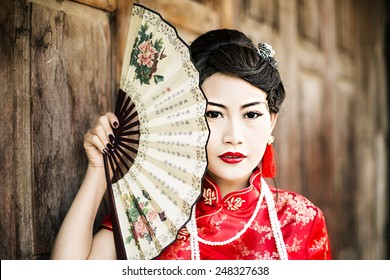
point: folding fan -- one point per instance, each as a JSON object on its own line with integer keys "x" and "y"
{"x": 155, "y": 173}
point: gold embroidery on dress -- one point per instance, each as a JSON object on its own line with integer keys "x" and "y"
{"x": 183, "y": 234}
{"x": 217, "y": 224}
{"x": 209, "y": 196}
{"x": 235, "y": 203}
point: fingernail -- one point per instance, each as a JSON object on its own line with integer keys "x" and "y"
{"x": 116, "y": 124}
{"x": 112, "y": 138}
{"x": 110, "y": 147}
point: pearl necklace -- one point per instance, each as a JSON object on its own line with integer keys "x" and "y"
{"x": 265, "y": 191}
{"x": 275, "y": 224}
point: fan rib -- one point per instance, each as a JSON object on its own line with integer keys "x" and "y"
{"x": 132, "y": 132}
{"x": 130, "y": 125}
{"x": 131, "y": 117}
{"x": 118, "y": 168}
{"x": 127, "y": 155}
{"x": 128, "y": 140}
{"x": 122, "y": 111}
{"x": 125, "y": 113}
{"x": 124, "y": 163}
{"x": 120, "y": 98}
{"x": 115, "y": 178}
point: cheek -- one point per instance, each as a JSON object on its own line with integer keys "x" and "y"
{"x": 261, "y": 128}
{"x": 259, "y": 135}
{"x": 257, "y": 146}
{"x": 214, "y": 140}
{"x": 257, "y": 140}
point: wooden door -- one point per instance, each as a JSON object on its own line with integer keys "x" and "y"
{"x": 57, "y": 59}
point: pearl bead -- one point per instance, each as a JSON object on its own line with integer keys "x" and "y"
{"x": 275, "y": 225}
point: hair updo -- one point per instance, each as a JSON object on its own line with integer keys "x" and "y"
{"x": 232, "y": 53}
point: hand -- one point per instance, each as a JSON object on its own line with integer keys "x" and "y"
{"x": 98, "y": 139}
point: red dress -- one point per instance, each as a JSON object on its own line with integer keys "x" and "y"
{"x": 218, "y": 219}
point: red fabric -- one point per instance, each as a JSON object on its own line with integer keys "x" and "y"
{"x": 106, "y": 223}
{"x": 218, "y": 219}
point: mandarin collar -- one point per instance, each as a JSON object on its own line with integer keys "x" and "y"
{"x": 212, "y": 197}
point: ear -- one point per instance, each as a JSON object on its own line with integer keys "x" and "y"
{"x": 274, "y": 118}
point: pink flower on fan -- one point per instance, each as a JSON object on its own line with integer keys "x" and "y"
{"x": 140, "y": 227}
{"x": 147, "y": 54}
{"x": 152, "y": 214}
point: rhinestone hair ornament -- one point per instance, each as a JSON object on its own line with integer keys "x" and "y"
{"x": 266, "y": 52}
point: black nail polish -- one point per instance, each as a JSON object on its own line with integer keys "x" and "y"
{"x": 116, "y": 124}
{"x": 112, "y": 138}
{"x": 110, "y": 147}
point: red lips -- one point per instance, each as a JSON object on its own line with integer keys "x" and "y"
{"x": 232, "y": 158}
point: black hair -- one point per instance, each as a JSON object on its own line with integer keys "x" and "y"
{"x": 232, "y": 53}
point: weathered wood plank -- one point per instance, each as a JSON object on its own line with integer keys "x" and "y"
{"x": 70, "y": 87}
{"x": 106, "y": 5}
{"x": 371, "y": 128}
{"x": 264, "y": 12}
{"x": 185, "y": 14}
{"x": 120, "y": 27}
{"x": 23, "y": 183}
{"x": 228, "y": 12}
{"x": 7, "y": 131}
{"x": 308, "y": 20}
{"x": 15, "y": 159}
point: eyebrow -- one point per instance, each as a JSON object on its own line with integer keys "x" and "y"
{"x": 242, "y": 107}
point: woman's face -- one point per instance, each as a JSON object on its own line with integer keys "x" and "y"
{"x": 240, "y": 125}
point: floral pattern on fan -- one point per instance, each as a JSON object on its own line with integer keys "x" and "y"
{"x": 146, "y": 55}
{"x": 138, "y": 214}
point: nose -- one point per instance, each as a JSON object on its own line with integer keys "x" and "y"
{"x": 233, "y": 133}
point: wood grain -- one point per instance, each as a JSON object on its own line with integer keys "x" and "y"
{"x": 70, "y": 88}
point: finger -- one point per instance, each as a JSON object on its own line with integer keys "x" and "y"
{"x": 113, "y": 120}
{"x": 104, "y": 123}
{"x": 105, "y": 137}
{"x": 92, "y": 139}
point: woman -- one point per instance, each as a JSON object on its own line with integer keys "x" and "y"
{"x": 238, "y": 215}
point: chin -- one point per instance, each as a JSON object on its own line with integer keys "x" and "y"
{"x": 231, "y": 174}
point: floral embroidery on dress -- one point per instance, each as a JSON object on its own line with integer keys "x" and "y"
{"x": 241, "y": 248}
{"x": 213, "y": 226}
{"x": 267, "y": 255}
{"x": 243, "y": 252}
{"x": 176, "y": 252}
{"x": 296, "y": 245}
{"x": 183, "y": 234}
{"x": 209, "y": 196}
{"x": 318, "y": 244}
{"x": 234, "y": 203}
{"x": 299, "y": 210}
{"x": 217, "y": 224}
{"x": 264, "y": 231}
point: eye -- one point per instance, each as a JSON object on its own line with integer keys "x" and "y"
{"x": 252, "y": 115}
{"x": 213, "y": 114}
